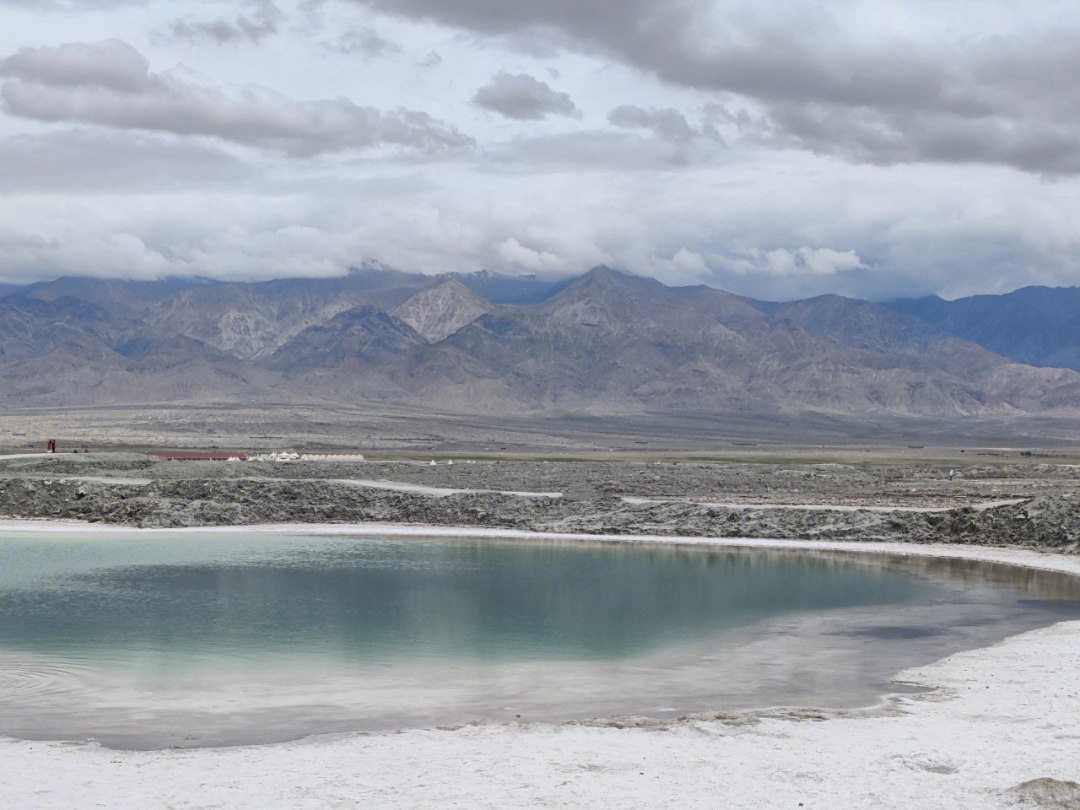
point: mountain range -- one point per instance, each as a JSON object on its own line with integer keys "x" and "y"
{"x": 481, "y": 342}
{"x": 1035, "y": 325}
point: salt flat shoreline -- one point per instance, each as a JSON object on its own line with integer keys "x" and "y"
{"x": 998, "y": 717}
{"x": 1025, "y": 557}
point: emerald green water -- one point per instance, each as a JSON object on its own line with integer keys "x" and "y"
{"x": 208, "y": 638}
{"x": 366, "y": 599}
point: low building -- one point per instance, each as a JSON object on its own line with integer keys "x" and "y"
{"x": 200, "y": 455}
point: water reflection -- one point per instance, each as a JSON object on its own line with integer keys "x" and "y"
{"x": 207, "y": 639}
{"x": 365, "y": 598}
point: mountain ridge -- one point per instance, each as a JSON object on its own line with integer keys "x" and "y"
{"x": 1034, "y": 325}
{"x": 603, "y": 342}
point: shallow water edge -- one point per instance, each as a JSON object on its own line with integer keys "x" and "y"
{"x": 962, "y": 561}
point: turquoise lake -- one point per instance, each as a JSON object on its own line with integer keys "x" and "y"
{"x": 208, "y": 638}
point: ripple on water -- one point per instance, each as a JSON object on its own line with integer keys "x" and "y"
{"x": 33, "y": 678}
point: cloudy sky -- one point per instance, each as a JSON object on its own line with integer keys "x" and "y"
{"x": 777, "y": 149}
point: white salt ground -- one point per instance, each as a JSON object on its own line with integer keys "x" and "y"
{"x": 438, "y": 492}
{"x": 1000, "y": 716}
{"x": 393, "y": 486}
{"x": 749, "y": 507}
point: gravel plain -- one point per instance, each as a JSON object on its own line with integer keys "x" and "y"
{"x": 1007, "y": 504}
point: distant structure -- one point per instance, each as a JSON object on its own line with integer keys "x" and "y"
{"x": 292, "y": 455}
{"x": 236, "y": 455}
{"x": 200, "y": 455}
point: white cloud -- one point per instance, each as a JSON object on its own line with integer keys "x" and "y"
{"x": 669, "y": 124}
{"x": 517, "y": 256}
{"x": 836, "y": 78}
{"x": 803, "y": 261}
{"x": 29, "y": 256}
{"x": 261, "y": 22}
{"x": 366, "y": 42}
{"x": 776, "y": 150}
{"x": 684, "y": 267}
{"x": 110, "y": 84}
{"x": 524, "y": 98}
{"x": 112, "y": 65}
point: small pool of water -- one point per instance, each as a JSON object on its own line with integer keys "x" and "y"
{"x": 210, "y": 638}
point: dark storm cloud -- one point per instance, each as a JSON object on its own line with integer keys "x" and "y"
{"x": 110, "y": 84}
{"x": 262, "y": 22}
{"x": 524, "y": 98}
{"x": 1013, "y": 101}
{"x": 678, "y": 40}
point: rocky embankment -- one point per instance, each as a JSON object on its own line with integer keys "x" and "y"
{"x": 161, "y": 496}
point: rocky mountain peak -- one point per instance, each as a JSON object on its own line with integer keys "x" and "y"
{"x": 602, "y": 299}
{"x": 442, "y": 309}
